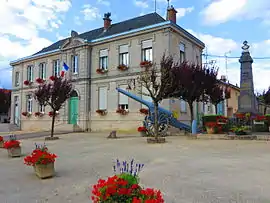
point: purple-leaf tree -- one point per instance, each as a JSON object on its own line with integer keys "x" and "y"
{"x": 5, "y": 100}
{"x": 218, "y": 94}
{"x": 190, "y": 82}
{"x": 54, "y": 94}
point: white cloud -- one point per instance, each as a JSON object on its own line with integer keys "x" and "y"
{"x": 141, "y": 4}
{"x": 90, "y": 12}
{"x": 77, "y": 20}
{"x": 181, "y": 12}
{"x": 221, "y": 11}
{"x": 103, "y": 2}
{"x": 219, "y": 46}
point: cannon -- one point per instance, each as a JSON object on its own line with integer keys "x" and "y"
{"x": 165, "y": 117}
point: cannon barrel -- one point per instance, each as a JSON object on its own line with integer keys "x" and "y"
{"x": 150, "y": 105}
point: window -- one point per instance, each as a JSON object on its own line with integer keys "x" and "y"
{"x": 102, "y": 98}
{"x": 183, "y": 106}
{"x": 56, "y": 68}
{"x": 17, "y": 78}
{"x": 123, "y": 55}
{"x": 29, "y": 104}
{"x": 123, "y": 99}
{"x": 147, "y": 53}
{"x": 75, "y": 64}
{"x": 103, "y": 59}
{"x": 41, "y": 108}
{"x": 42, "y": 69}
{"x": 182, "y": 52}
{"x": 30, "y": 73}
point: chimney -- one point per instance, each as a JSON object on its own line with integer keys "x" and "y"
{"x": 107, "y": 21}
{"x": 171, "y": 14}
{"x": 223, "y": 78}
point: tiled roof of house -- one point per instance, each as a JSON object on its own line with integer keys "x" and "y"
{"x": 131, "y": 24}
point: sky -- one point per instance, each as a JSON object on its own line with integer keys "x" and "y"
{"x": 27, "y": 26}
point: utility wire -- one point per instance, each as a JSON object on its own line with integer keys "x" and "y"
{"x": 235, "y": 57}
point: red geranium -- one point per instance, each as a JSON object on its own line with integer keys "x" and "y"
{"x": 40, "y": 156}
{"x": 142, "y": 129}
{"x": 144, "y": 111}
{"x": 260, "y": 118}
{"x": 122, "y": 111}
{"x": 11, "y": 144}
{"x": 1, "y": 139}
{"x": 52, "y": 78}
{"x": 39, "y": 80}
{"x": 145, "y": 64}
{"x": 27, "y": 82}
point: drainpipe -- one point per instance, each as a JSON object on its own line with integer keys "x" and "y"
{"x": 89, "y": 61}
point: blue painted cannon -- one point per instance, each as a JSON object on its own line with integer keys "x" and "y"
{"x": 165, "y": 117}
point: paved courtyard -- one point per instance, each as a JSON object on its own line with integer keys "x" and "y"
{"x": 188, "y": 171}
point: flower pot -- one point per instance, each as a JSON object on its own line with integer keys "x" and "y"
{"x": 210, "y": 130}
{"x": 44, "y": 171}
{"x": 143, "y": 133}
{"x": 2, "y": 144}
{"x": 14, "y": 152}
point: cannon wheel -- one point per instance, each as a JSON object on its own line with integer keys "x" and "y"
{"x": 163, "y": 124}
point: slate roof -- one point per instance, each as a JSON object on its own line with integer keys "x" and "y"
{"x": 131, "y": 24}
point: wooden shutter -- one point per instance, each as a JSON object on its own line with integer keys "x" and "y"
{"x": 103, "y": 53}
{"x": 123, "y": 49}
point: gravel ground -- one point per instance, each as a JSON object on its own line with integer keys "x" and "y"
{"x": 188, "y": 171}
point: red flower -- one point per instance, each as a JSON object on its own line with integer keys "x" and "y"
{"x": 122, "y": 67}
{"x": 52, "y": 78}
{"x": 101, "y": 71}
{"x": 26, "y": 114}
{"x": 144, "y": 111}
{"x": 51, "y": 113}
{"x": 11, "y": 144}
{"x": 1, "y": 139}
{"x": 26, "y": 82}
{"x": 39, "y": 80}
{"x": 260, "y": 118}
{"x": 101, "y": 112}
{"x": 142, "y": 129}
{"x": 122, "y": 111}
{"x": 146, "y": 64}
{"x": 40, "y": 156}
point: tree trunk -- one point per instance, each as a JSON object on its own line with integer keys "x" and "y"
{"x": 156, "y": 120}
{"x": 52, "y": 127}
{"x": 191, "y": 112}
{"x": 216, "y": 108}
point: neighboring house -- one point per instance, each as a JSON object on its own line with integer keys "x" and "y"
{"x": 129, "y": 42}
{"x": 4, "y": 105}
{"x": 227, "y": 107}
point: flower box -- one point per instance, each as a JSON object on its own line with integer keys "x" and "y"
{"x": 122, "y": 111}
{"x": 44, "y": 170}
{"x": 51, "y": 113}
{"x": 40, "y": 80}
{"x": 144, "y": 111}
{"x": 27, "y": 114}
{"x": 1, "y": 142}
{"x": 122, "y": 67}
{"x": 14, "y": 151}
{"x": 27, "y": 83}
{"x": 39, "y": 114}
{"x": 146, "y": 64}
{"x": 101, "y": 112}
{"x": 101, "y": 71}
{"x": 52, "y": 78}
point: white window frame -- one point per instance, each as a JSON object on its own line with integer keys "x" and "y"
{"x": 123, "y": 99}
{"x": 41, "y": 108}
{"x": 17, "y": 78}
{"x": 103, "y": 59}
{"x": 75, "y": 64}
{"x": 29, "y": 74}
{"x": 56, "y": 68}
{"x": 183, "y": 106}
{"x": 182, "y": 49}
{"x": 123, "y": 55}
{"x": 42, "y": 71}
{"x": 29, "y": 103}
{"x": 102, "y": 98}
{"x": 147, "y": 50}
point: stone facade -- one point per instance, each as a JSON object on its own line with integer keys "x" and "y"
{"x": 86, "y": 81}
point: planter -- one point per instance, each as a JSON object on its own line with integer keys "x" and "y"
{"x": 210, "y": 130}
{"x": 2, "y": 144}
{"x": 143, "y": 133}
{"x": 44, "y": 171}
{"x": 153, "y": 140}
{"x": 14, "y": 152}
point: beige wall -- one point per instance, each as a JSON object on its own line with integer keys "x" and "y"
{"x": 233, "y": 102}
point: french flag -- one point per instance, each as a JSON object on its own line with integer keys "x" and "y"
{"x": 64, "y": 70}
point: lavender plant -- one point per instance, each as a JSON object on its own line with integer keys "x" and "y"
{"x": 12, "y": 137}
{"x": 41, "y": 147}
